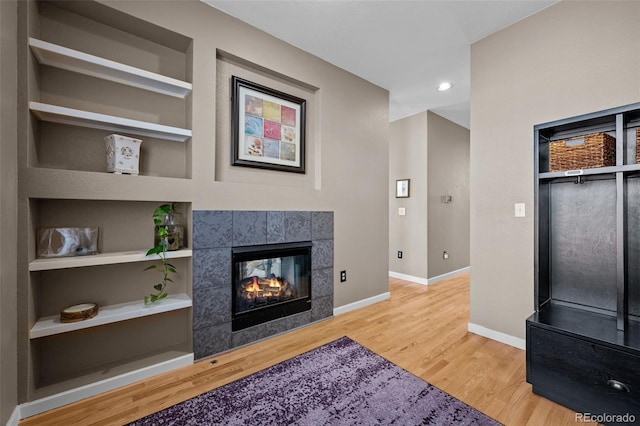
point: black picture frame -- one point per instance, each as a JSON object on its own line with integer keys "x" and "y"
{"x": 268, "y": 128}
{"x": 402, "y": 188}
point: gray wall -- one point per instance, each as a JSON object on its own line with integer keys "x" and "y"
{"x": 571, "y": 58}
{"x": 434, "y": 153}
{"x": 448, "y": 174}
{"x": 407, "y": 160}
{"x": 8, "y": 210}
{"x": 347, "y": 137}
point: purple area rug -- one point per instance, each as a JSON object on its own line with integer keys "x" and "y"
{"x": 340, "y": 383}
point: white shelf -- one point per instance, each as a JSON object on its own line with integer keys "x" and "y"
{"x": 48, "y": 326}
{"x": 76, "y": 117}
{"x": 95, "y": 66}
{"x": 101, "y": 259}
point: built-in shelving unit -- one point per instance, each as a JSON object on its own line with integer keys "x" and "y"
{"x": 76, "y": 117}
{"x": 583, "y": 341}
{"x": 73, "y": 60}
{"x": 51, "y": 325}
{"x": 49, "y": 264}
{"x": 132, "y": 78}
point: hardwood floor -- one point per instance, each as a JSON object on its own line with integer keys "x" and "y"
{"x": 423, "y": 329}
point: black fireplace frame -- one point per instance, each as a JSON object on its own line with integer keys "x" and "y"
{"x": 242, "y": 320}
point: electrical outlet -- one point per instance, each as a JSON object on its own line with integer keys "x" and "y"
{"x": 343, "y": 276}
{"x": 445, "y": 255}
{"x": 399, "y": 254}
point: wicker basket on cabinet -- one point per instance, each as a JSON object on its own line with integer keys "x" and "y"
{"x": 583, "y": 152}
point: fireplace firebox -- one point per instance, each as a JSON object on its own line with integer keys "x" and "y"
{"x": 269, "y": 282}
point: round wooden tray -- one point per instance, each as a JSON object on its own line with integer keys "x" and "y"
{"x": 80, "y": 312}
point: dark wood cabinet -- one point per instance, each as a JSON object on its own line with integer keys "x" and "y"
{"x": 583, "y": 341}
{"x": 585, "y": 374}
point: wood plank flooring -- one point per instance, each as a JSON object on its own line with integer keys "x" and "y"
{"x": 423, "y": 329}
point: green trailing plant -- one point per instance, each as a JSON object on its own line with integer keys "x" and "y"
{"x": 164, "y": 267}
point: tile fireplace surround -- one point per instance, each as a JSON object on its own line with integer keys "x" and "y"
{"x": 215, "y": 232}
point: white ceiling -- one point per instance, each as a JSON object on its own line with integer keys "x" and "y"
{"x": 406, "y": 47}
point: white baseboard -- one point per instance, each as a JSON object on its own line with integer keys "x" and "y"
{"x": 361, "y": 303}
{"x": 449, "y": 275}
{"x": 38, "y": 406}
{"x": 417, "y": 280}
{"x": 15, "y": 417}
{"x": 507, "y": 339}
{"x": 429, "y": 281}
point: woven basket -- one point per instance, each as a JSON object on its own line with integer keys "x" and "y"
{"x": 597, "y": 150}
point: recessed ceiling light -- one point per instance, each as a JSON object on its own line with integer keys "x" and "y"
{"x": 444, "y": 86}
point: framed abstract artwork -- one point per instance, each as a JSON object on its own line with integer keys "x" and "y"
{"x": 268, "y": 128}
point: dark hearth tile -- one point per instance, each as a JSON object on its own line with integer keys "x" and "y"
{"x": 211, "y": 306}
{"x": 321, "y": 226}
{"x": 322, "y": 254}
{"x": 275, "y": 227}
{"x": 211, "y": 340}
{"x": 322, "y": 308}
{"x": 297, "y": 226}
{"x": 212, "y": 271}
{"x": 259, "y": 331}
{"x": 322, "y": 283}
{"x": 249, "y": 335}
{"x": 249, "y": 228}
{"x": 212, "y": 268}
{"x": 281, "y": 325}
{"x": 271, "y": 328}
{"x": 297, "y": 320}
{"x": 212, "y": 229}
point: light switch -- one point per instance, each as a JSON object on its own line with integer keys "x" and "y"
{"x": 519, "y": 210}
{"x": 402, "y": 211}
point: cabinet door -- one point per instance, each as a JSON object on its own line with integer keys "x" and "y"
{"x": 582, "y": 375}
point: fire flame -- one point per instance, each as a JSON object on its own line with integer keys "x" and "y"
{"x": 274, "y": 284}
{"x": 273, "y": 288}
{"x": 254, "y": 287}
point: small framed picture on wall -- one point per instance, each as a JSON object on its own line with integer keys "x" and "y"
{"x": 402, "y": 188}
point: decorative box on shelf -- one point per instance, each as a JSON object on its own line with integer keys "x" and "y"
{"x": 63, "y": 242}
{"x": 123, "y": 154}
